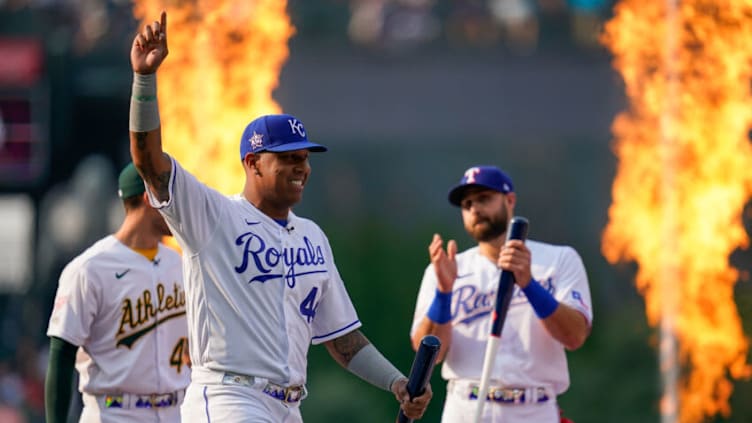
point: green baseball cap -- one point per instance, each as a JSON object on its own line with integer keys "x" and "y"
{"x": 130, "y": 182}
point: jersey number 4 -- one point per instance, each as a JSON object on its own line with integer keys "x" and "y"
{"x": 309, "y": 305}
{"x": 179, "y": 356}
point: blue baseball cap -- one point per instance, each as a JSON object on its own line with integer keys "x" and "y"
{"x": 276, "y": 133}
{"x": 490, "y": 177}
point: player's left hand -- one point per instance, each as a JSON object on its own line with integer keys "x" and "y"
{"x": 414, "y": 408}
{"x": 149, "y": 47}
{"x": 515, "y": 257}
{"x": 444, "y": 262}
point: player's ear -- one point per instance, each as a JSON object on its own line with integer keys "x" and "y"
{"x": 511, "y": 199}
{"x": 251, "y": 161}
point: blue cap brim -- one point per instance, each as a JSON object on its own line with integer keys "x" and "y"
{"x": 302, "y": 145}
{"x": 457, "y": 193}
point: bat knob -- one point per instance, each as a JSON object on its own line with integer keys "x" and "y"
{"x": 431, "y": 341}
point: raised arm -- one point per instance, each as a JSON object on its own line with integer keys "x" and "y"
{"x": 148, "y": 51}
{"x": 438, "y": 320}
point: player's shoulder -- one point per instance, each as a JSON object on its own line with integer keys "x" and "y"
{"x": 169, "y": 253}
{"x": 469, "y": 252}
{"x": 469, "y": 255}
{"x": 304, "y": 224}
{"x": 540, "y": 248}
{"x": 96, "y": 255}
{"x": 532, "y": 243}
{"x": 103, "y": 247}
{"x": 191, "y": 185}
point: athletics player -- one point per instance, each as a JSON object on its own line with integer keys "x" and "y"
{"x": 550, "y": 309}
{"x": 261, "y": 282}
{"x": 119, "y": 315}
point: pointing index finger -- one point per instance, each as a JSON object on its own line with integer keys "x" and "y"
{"x": 163, "y": 23}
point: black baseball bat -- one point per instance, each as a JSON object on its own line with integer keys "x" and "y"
{"x": 517, "y": 229}
{"x": 420, "y": 373}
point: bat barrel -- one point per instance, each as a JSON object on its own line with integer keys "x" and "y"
{"x": 517, "y": 228}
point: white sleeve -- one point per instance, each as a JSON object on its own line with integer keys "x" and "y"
{"x": 426, "y": 293}
{"x": 335, "y": 314}
{"x": 76, "y": 306}
{"x": 572, "y": 288}
{"x": 192, "y": 209}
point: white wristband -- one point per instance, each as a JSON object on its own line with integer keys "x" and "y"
{"x": 371, "y": 366}
{"x": 144, "y": 113}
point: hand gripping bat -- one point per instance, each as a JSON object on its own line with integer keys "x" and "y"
{"x": 517, "y": 229}
{"x": 420, "y": 373}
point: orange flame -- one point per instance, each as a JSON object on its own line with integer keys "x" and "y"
{"x": 683, "y": 178}
{"x": 224, "y": 62}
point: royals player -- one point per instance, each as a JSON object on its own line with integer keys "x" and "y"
{"x": 550, "y": 309}
{"x": 261, "y": 282}
{"x": 119, "y": 314}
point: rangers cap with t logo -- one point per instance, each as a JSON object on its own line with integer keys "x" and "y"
{"x": 490, "y": 177}
{"x": 276, "y": 133}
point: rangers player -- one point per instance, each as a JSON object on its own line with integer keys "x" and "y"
{"x": 550, "y": 309}
{"x": 119, "y": 314}
{"x": 261, "y": 282}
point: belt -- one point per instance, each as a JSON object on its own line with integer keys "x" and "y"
{"x": 125, "y": 400}
{"x": 286, "y": 394}
{"x": 503, "y": 395}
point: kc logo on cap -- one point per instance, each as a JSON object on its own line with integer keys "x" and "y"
{"x": 276, "y": 133}
{"x": 296, "y": 126}
{"x": 490, "y": 177}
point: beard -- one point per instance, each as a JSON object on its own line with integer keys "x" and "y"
{"x": 487, "y": 229}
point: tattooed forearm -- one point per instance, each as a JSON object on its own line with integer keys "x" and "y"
{"x": 141, "y": 140}
{"x": 157, "y": 178}
{"x": 161, "y": 185}
{"x": 344, "y": 348}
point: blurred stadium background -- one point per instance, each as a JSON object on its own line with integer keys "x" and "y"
{"x": 407, "y": 94}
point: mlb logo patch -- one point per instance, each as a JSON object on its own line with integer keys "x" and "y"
{"x": 257, "y": 140}
{"x": 577, "y": 296}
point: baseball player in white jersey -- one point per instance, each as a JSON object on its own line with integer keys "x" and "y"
{"x": 261, "y": 282}
{"x": 550, "y": 309}
{"x": 119, "y": 314}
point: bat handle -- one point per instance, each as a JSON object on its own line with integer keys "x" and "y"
{"x": 425, "y": 359}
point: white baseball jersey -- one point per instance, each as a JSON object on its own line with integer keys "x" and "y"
{"x": 258, "y": 293}
{"x": 127, "y": 315}
{"x": 528, "y": 355}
